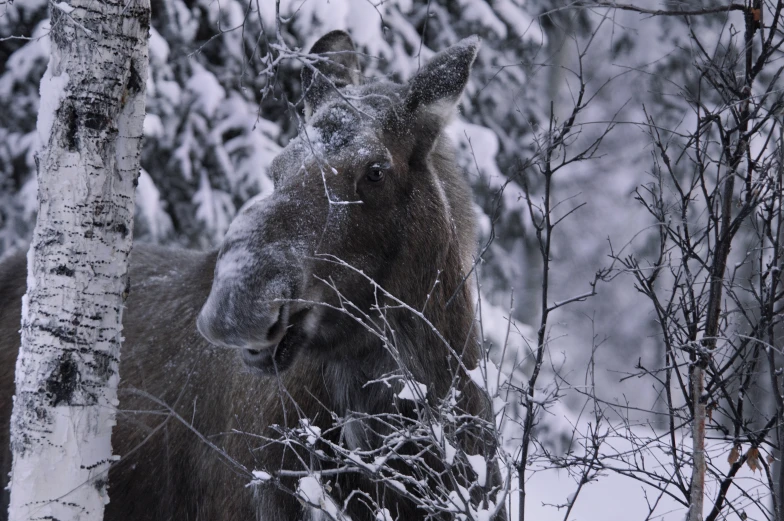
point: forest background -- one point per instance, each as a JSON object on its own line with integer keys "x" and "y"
{"x": 219, "y": 108}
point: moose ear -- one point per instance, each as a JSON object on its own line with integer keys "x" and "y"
{"x": 434, "y": 92}
{"x": 338, "y": 68}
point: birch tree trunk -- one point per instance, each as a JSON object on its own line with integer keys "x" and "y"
{"x": 90, "y": 125}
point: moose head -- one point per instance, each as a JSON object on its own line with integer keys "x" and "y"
{"x": 367, "y": 196}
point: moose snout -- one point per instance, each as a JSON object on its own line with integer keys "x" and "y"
{"x": 249, "y": 304}
{"x": 227, "y": 320}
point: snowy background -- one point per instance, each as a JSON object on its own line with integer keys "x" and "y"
{"x": 217, "y": 114}
{"x": 214, "y": 123}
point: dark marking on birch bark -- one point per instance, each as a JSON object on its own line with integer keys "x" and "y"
{"x": 134, "y": 81}
{"x": 121, "y": 229}
{"x": 62, "y": 384}
{"x": 95, "y": 121}
{"x": 63, "y": 270}
{"x": 143, "y": 15}
{"x": 61, "y": 333}
{"x": 101, "y": 484}
{"x": 96, "y": 465}
{"x": 59, "y": 17}
{"x": 52, "y": 237}
{"x": 102, "y": 365}
{"x": 70, "y": 131}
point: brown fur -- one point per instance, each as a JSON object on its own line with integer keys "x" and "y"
{"x": 174, "y": 384}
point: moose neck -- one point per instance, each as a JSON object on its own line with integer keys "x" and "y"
{"x": 444, "y": 342}
{"x": 432, "y": 338}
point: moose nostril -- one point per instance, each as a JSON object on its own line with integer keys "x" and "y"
{"x": 276, "y": 330}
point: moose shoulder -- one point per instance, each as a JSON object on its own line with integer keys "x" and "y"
{"x": 322, "y": 297}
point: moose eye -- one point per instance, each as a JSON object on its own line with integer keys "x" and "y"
{"x": 375, "y": 173}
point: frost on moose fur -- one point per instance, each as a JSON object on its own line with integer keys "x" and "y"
{"x": 340, "y": 291}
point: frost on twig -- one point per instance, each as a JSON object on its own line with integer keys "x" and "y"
{"x": 426, "y": 448}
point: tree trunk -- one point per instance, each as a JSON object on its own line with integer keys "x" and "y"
{"x": 90, "y": 126}
{"x": 698, "y": 438}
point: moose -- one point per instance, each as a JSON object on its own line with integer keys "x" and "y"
{"x": 357, "y": 268}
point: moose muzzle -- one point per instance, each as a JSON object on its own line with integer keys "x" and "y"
{"x": 250, "y": 304}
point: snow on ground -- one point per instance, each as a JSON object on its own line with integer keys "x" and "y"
{"x": 614, "y": 497}
{"x": 630, "y": 452}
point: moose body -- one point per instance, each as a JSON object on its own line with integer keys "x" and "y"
{"x": 353, "y": 270}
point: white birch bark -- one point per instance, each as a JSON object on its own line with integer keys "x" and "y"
{"x": 90, "y": 127}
